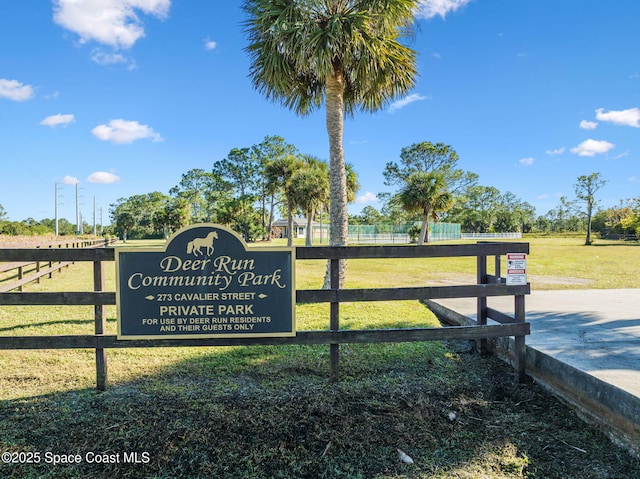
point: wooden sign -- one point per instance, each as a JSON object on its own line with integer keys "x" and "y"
{"x": 205, "y": 283}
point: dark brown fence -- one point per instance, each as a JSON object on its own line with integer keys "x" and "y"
{"x": 25, "y": 272}
{"x": 487, "y": 285}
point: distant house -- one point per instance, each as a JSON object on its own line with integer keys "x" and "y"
{"x": 299, "y": 227}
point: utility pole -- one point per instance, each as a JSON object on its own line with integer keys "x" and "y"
{"x": 77, "y": 212}
{"x": 95, "y": 226}
{"x": 58, "y": 188}
{"x": 79, "y": 221}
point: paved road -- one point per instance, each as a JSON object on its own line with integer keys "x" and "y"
{"x": 597, "y": 331}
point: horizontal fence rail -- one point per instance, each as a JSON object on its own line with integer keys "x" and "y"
{"x": 32, "y": 271}
{"x": 487, "y": 286}
{"x": 302, "y": 337}
{"x": 302, "y": 295}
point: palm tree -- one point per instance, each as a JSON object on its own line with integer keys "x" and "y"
{"x": 425, "y": 193}
{"x": 271, "y": 148}
{"x": 352, "y": 182}
{"x": 278, "y": 173}
{"x": 343, "y": 53}
{"x": 309, "y": 190}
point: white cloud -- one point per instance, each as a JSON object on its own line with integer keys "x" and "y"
{"x": 70, "y": 180}
{"x": 103, "y": 177}
{"x": 557, "y": 151}
{"x": 592, "y": 147}
{"x": 368, "y": 197}
{"x": 621, "y": 155}
{"x": 630, "y": 117}
{"x": 430, "y": 8}
{"x": 122, "y": 131}
{"x": 102, "y": 58}
{"x": 397, "y": 105}
{"x": 210, "y": 44}
{"x": 110, "y": 22}
{"x": 527, "y": 161}
{"x": 57, "y": 120}
{"x": 588, "y": 125}
{"x": 53, "y": 96}
{"x": 543, "y": 196}
{"x": 14, "y": 90}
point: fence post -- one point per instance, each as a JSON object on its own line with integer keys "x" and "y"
{"x": 334, "y": 320}
{"x": 519, "y": 353}
{"x": 100, "y": 326}
{"x": 481, "y": 313}
{"x": 50, "y": 265}
{"x": 67, "y": 246}
{"x": 38, "y": 268}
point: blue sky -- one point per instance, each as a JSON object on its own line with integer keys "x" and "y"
{"x": 124, "y": 96}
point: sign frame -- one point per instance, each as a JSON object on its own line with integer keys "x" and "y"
{"x": 222, "y": 288}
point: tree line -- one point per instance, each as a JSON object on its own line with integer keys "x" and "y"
{"x": 252, "y": 186}
{"x": 244, "y": 191}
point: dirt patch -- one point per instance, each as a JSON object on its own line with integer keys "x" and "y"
{"x": 534, "y": 279}
{"x": 44, "y": 241}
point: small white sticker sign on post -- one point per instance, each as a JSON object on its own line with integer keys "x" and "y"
{"x": 516, "y": 268}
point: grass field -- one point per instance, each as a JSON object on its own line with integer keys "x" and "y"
{"x": 263, "y": 412}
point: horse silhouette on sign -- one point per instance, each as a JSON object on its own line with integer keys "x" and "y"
{"x": 193, "y": 247}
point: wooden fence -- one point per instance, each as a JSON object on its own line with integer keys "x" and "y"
{"x": 31, "y": 271}
{"x": 488, "y": 285}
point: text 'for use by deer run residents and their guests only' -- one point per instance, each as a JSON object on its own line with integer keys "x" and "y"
{"x": 205, "y": 283}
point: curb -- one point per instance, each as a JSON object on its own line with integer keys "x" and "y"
{"x": 614, "y": 411}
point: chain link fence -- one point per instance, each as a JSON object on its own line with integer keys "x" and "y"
{"x": 388, "y": 234}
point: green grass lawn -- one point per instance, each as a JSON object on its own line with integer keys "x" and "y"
{"x": 553, "y": 263}
{"x": 263, "y": 412}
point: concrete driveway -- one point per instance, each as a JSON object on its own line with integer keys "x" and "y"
{"x": 596, "y": 330}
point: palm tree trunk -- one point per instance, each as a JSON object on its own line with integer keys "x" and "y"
{"x": 424, "y": 231}
{"x": 310, "y": 215}
{"x": 338, "y": 235}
